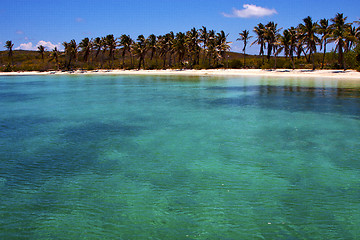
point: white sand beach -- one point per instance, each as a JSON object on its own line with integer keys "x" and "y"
{"x": 337, "y": 74}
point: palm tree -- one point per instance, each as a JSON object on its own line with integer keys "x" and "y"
{"x": 309, "y": 30}
{"x": 126, "y": 43}
{"x": 140, "y": 49}
{"x": 97, "y": 45}
{"x": 70, "y": 51}
{"x": 55, "y": 55}
{"x": 180, "y": 46}
{"x": 85, "y": 45}
{"x": 9, "y": 46}
{"x": 284, "y": 43}
{"x": 271, "y": 35}
{"x": 163, "y": 46}
{"x": 325, "y": 31}
{"x": 259, "y": 30}
{"x": 222, "y": 45}
{"x": 170, "y": 42}
{"x": 110, "y": 43}
{"x": 339, "y": 32}
{"x": 357, "y": 34}
{"x": 193, "y": 41}
{"x": 41, "y": 50}
{"x": 244, "y": 36}
{"x": 151, "y": 43}
{"x": 293, "y": 42}
{"x": 104, "y": 49}
{"x": 275, "y": 47}
{"x": 211, "y": 46}
{"x": 204, "y": 38}
{"x": 350, "y": 38}
{"x": 300, "y": 42}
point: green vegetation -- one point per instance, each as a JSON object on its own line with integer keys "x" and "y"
{"x": 244, "y": 36}
{"x": 295, "y": 47}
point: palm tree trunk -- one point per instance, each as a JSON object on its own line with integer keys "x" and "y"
{"x": 170, "y": 59}
{"x": 275, "y": 61}
{"x": 69, "y": 63}
{"x": 269, "y": 51}
{"x": 244, "y": 59}
{"x": 293, "y": 63}
{"x": 313, "y": 63}
{"x": 164, "y": 59}
{"x": 123, "y": 59}
{"x": 152, "y": 55}
{"x": 306, "y": 56}
{"x": 143, "y": 61}
{"x": 311, "y": 58}
{"x": 140, "y": 63}
{"x": 341, "y": 55}
{"x": 323, "y": 61}
{"x": 204, "y": 57}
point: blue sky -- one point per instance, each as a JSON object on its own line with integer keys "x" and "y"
{"x": 29, "y": 23}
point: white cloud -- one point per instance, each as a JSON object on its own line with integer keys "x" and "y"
{"x": 26, "y": 46}
{"x": 250, "y": 11}
{"x": 48, "y": 45}
{"x": 29, "y": 46}
{"x": 19, "y": 32}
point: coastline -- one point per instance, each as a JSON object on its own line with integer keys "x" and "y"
{"x": 337, "y": 74}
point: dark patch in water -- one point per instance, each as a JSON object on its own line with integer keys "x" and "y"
{"x": 96, "y": 130}
{"x": 294, "y": 91}
{"x": 71, "y": 151}
{"x": 326, "y": 100}
{"x": 18, "y": 128}
{"x": 9, "y": 84}
{"x": 16, "y": 97}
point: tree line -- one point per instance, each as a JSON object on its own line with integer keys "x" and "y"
{"x": 182, "y": 50}
{"x": 305, "y": 39}
{"x": 208, "y": 49}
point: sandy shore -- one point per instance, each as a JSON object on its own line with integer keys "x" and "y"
{"x": 338, "y": 74}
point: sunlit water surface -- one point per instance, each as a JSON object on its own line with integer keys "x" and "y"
{"x": 124, "y": 157}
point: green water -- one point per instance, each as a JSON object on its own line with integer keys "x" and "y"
{"x": 124, "y": 157}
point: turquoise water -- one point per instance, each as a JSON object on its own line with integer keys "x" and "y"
{"x": 124, "y": 157}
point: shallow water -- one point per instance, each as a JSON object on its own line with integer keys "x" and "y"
{"x": 144, "y": 157}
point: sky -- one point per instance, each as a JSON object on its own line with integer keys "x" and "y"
{"x": 30, "y": 23}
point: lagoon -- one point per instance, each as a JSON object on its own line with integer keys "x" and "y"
{"x": 179, "y": 157}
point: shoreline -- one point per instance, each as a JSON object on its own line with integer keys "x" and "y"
{"x": 337, "y": 74}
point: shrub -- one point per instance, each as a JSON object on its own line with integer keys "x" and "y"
{"x": 267, "y": 65}
{"x": 8, "y": 68}
{"x": 335, "y": 66}
{"x": 235, "y": 63}
{"x": 288, "y": 65}
{"x": 257, "y": 63}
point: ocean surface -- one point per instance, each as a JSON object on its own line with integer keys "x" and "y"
{"x": 170, "y": 157}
